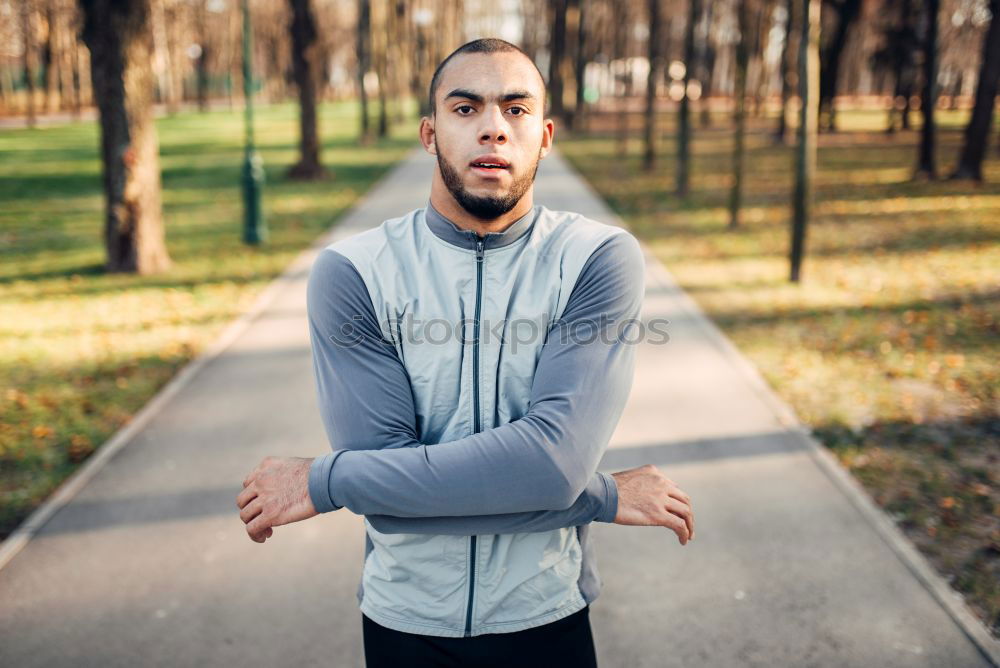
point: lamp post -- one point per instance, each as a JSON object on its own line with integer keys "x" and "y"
{"x": 254, "y": 226}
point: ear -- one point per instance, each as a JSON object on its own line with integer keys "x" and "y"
{"x": 548, "y": 133}
{"x": 427, "y": 134}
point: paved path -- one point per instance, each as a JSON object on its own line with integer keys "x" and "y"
{"x": 150, "y": 565}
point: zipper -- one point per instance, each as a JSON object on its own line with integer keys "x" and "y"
{"x": 475, "y": 421}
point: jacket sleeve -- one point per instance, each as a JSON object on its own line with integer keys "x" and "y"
{"x": 544, "y": 461}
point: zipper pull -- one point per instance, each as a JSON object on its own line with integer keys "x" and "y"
{"x": 479, "y": 250}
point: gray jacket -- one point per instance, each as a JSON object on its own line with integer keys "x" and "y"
{"x": 469, "y": 387}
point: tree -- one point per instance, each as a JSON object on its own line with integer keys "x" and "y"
{"x": 305, "y": 54}
{"x": 120, "y": 38}
{"x": 847, "y": 15}
{"x": 580, "y": 65}
{"x": 707, "y": 61}
{"x": 929, "y": 94}
{"x": 740, "y": 114}
{"x": 684, "y": 116}
{"x": 28, "y": 32}
{"x": 805, "y": 151}
{"x": 380, "y": 52}
{"x": 622, "y": 42}
{"x": 896, "y": 56}
{"x": 557, "y": 9}
{"x": 977, "y": 132}
{"x": 787, "y": 80}
{"x": 364, "y": 37}
{"x": 203, "y": 60}
{"x": 653, "y": 47}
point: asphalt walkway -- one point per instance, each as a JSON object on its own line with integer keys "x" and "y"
{"x": 149, "y": 564}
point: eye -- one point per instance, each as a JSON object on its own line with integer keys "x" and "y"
{"x": 464, "y": 106}
{"x": 522, "y": 111}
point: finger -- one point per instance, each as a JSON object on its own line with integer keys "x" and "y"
{"x": 679, "y": 494}
{"x": 246, "y": 496}
{"x": 252, "y": 510}
{"x": 682, "y": 510}
{"x": 677, "y": 525}
{"x": 258, "y": 527}
{"x": 250, "y": 478}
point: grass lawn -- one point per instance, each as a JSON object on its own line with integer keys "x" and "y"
{"x": 888, "y": 348}
{"x": 80, "y": 350}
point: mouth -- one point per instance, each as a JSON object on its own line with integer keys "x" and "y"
{"x": 490, "y": 165}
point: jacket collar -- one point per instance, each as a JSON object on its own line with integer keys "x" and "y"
{"x": 453, "y": 234}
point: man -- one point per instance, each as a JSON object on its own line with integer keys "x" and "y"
{"x": 472, "y": 360}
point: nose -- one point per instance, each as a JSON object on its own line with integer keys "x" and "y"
{"x": 495, "y": 128}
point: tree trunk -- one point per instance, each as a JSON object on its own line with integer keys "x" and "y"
{"x": 742, "y": 61}
{"x": 926, "y": 165}
{"x": 653, "y": 52}
{"x": 684, "y": 115}
{"x": 781, "y": 133}
{"x": 977, "y": 132}
{"x": 120, "y": 39}
{"x": 67, "y": 44}
{"x": 580, "y": 64}
{"x": 707, "y": 61}
{"x": 848, "y": 11}
{"x": 558, "y": 45}
{"x": 621, "y": 55}
{"x": 805, "y": 152}
{"x": 398, "y": 48}
{"x": 28, "y": 32}
{"x": 379, "y": 52}
{"x": 364, "y": 31}
{"x": 305, "y": 66}
{"x": 51, "y": 53}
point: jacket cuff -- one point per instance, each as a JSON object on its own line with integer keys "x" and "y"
{"x": 610, "y": 510}
{"x": 319, "y": 482}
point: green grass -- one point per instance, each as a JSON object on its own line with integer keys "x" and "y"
{"x": 888, "y": 348}
{"x": 80, "y": 350}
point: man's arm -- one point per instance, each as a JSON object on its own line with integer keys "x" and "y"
{"x": 366, "y": 402}
{"x": 542, "y": 461}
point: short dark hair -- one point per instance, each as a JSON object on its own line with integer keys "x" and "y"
{"x": 484, "y": 45}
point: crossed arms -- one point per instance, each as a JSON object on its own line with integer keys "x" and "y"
{"x": 536, "y": 473}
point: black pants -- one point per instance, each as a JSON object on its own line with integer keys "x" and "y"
{"x": 565, "y": 642}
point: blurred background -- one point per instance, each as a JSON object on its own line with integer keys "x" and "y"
{"x": 823, "y": 178}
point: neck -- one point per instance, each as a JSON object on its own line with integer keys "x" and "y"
{"x": 449, "y": 207}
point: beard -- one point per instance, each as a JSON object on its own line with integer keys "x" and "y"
{"x": 486, "y": 207}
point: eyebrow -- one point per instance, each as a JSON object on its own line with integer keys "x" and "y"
{"x": 476, "y": 97}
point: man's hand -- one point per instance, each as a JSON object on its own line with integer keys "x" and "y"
{"x": 646, "y": 497}
{"x": 275, "y": 493}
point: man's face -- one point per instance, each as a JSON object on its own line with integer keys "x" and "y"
{"x": 489, "y": 110}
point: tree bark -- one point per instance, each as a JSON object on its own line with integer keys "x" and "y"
{"x": 707, "y": 61}
{"x": 847, "y": 13}
{"x": 379, "y": 52}
{"x": 558, "y": 55}
{"x": 621, "y": 55}
{"x": 740, "y": 114}
{"x": 120, "y": 38}
{"x": 684, "y": 115}
{"x": 781, "y": 133}
{"x": 653, "y": 52}
{"x": 926, "y": 167}
{"x": 364, "y": 32}
{"x": 580, "y": 64}
{"x": 977, "y": 132}
{"x": 28, "y": 32}
{"x": 305, "y": 66}
{"x": 805, "y": 152}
